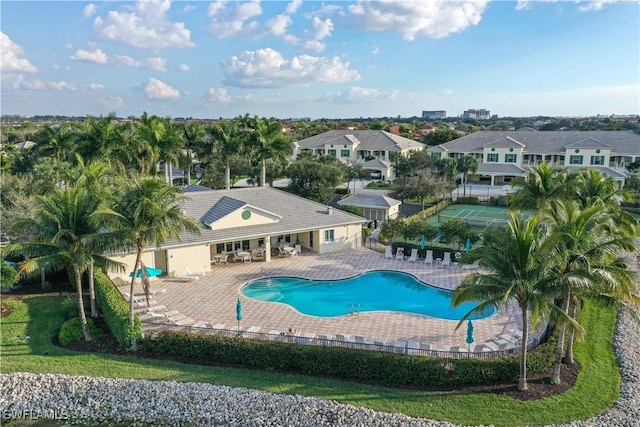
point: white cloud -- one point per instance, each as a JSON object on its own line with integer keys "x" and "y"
{"x": 156, "y": 64}
{"x": 583, "y": 5}
{"x": 357, "y": 94}
{"x": 375, "y": 50}
{"x": 433, "y": 19}
{"x": 157, "y": 89}
{"x": 218, "y": 96}
{"x": 314, "y": 45}
{"x": 183, "y": 68}
{"x": 89, "y": 10}
{"x": 34, "y": 85}
{"x": 447, "y": 92}
{"x": 61, "y": 85}
{"x": 144, "y": 25}
{"x": 11, "y": 60}
{"x": 321, "y": 28}
{"x": 97, "y": 56}
{"x": 113, "y": 103}
{"x": 95, "y": 86}
{"x": 278, "y": 25}
{"x": 231, "y": 22}
{"x": 265, "y": 68}
{"x": 293, "y": 6}
{"x": 291, "y": 39}
{"x": 189, "y": 8}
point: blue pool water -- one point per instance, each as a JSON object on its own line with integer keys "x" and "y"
{"x": 371, "y": 291}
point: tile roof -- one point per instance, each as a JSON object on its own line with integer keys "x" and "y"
{"x": 624, "y": 143}
{"x": 297, "y": 214}
{"x": 377, "y": 140}
{"x": 509, "y": 169}
{"x": 370, "y": 201}
{"x": 222, "y": 208}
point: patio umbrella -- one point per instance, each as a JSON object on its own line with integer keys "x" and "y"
{"x": 469, "y": 339}
{"x": 423, "y": 242}
{"x": 151, "y": 272}
{"x": 467, "y": 246}
{"x": 239, "y": 312}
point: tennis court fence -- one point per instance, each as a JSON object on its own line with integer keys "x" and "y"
{"x": 475, "y": 221}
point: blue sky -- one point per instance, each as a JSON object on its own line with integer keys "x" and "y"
{"x": 320, "y": 59}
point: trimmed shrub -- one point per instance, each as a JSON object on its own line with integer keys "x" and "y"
{"x": 351, "y": 209}
{"x": 363, "y": 365}
{"x": 115, "y": 310}
{"x": 71, "y": 331}
{"x": 8, "y": 276}
{"x": 467, "y": 200}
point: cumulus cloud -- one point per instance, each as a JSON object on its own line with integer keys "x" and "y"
{"x": 293, "y": 7}
{"x": 95, "y": 86}
{"x": 157, "y": 89}
{"x": 113, "y": 103}
{"x": 217, "y": 96}
{"x": 278, "y": 25}
{"x": 11, "y": 60}
{"x": 143, "y": 25}
{"x": 97, "y": 56}
{"x": 433, "y": 19}
{"x": 583, "y": 5}
{"x": 265, "y": 68}
{"x": 227, "y": 21}
{"x": 183, "y": 68}
{"x": 61, "y": 85}
{"x": 34, "y": 85}
{"x": 357, "y": 94}
{"x": 89, "y": 10}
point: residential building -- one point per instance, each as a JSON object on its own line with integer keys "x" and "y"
{"x": 434, "y": 115}
{"x": 248, "y": 219}
{"x": 371, "y": 148}
{"x": 480, "y": 114}
{"x": 504, "y": 155}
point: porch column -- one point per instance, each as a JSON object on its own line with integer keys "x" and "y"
{"x": 267, "y": 248}
{"x": 493, "y": 179}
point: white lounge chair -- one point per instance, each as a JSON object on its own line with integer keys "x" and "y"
{"x": 387, "y": 253}
{"x": 414, "y": 255}
{"x": 473, "y": 266}
{"x": 400, "y": 254}
{"x": 446, "y": 261}
{"x": 192, "y": 274}
{"x": 362, "y": 340}
{"x": 428, "y": 259}
{"x": 140, "y": 301}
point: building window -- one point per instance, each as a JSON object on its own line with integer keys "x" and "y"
{"x": 332, "y": 152}
{"x": 436, "y": 155}
{"x": 329, "y": 236}
{"x": 311, "y": 239}
{"x": 597, "y": 160}
{"x": 510, "y": 158}
{"x": 219, "y": 248}
{"x": 575, "y": 160}
{"x": 492, "y": 157}
{"x": 345, "y": 153}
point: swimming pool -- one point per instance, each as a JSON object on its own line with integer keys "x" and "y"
{"x": 370, "y": 291}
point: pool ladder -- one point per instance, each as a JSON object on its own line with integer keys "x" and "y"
{"x": 352, "y": 309}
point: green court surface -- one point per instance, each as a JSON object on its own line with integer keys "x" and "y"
{"x": 478, "y": 216}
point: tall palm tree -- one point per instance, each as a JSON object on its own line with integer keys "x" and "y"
{"x": 149, "y": 212}
{"x": 161, "y": 138}
{"x": 192, "y": 134}
{"x": 516, "y": 268}
{"x": 589, "y": 185}
{"x": 226, "y": 142}
{"x": 266, "y": 141}
{"x": 95, "y": 135}
{"x": 542, "y": 184}
{"x": 467, "y": 164}
{"x": 58, "y": 142}
{"x": 64, "y": 236}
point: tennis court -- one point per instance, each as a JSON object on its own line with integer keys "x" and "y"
{"x": 478, "y": 216}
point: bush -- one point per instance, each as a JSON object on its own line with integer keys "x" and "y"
{"x": 115, "y": 310}
{"x": 366, "y": 232}
{"x": 363, "y": 365}
{"x": 467, "y": 200}
{"x": 351, "y": 209}
{"x": 71, "y": 331}
{"x": 8, "y": 276}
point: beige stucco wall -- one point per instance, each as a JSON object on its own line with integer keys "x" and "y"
{"x": 196, "y": 258}
{"x": 234, "y": 219}
{"x": 586, "y": 154}
{"x": 128, "y": 261}
{"x": 345, "y": 237}
{"x": 501, "y": 154}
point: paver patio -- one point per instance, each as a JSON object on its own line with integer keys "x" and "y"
{"x": 212, "y": 299}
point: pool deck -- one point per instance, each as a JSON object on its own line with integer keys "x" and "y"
{"x": 212, "y": 299}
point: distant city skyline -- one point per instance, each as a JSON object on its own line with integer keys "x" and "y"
{"x": 320, "y": 59}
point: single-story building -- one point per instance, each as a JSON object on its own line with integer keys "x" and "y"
{"x": 375, "y": 207}
{"x": 248, "y": 219}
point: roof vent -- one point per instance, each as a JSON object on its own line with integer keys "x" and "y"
{"x": 329, "y": 210}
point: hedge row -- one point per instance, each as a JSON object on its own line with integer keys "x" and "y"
{"x": 364, "y": 365}
{"x": 467, "y": 200}
{"x": 115, "y": 310}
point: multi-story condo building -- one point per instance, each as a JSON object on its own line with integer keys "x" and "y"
{"x": 480, "y": 114}
{"x": 371, "y": 148}
{"x": 434, "y": 115}
{"x": 504, "y": 155}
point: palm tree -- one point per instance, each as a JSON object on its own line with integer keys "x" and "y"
{"x": 542, "y": 184}
{"x": 162, "y": 139}
{"x": 58, "y": 142}
{"x": 266, "y": 141}
{"x": 149, "y": 212}
{"x": 516, "y": 269}
{"x": 226, "y": 142}
{"x": 467, "y": 164}
{"x": 64, "y": 236}
{"x": 192, "y": 134}
{"x": 589, "y": 185}
{"x": 95, "y": 136}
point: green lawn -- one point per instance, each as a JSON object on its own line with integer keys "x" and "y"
{"x": 596, "y": 388}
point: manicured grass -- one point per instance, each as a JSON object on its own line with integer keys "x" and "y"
{"x": 596, "y": 388}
